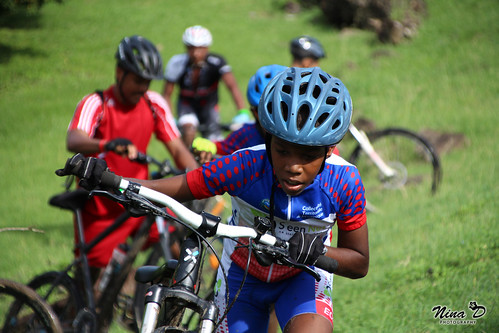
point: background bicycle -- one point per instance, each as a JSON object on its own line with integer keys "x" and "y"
{"x": 392, "y": 161}
{"x": 23, "y": 310}
{"x": 73, "y": 299}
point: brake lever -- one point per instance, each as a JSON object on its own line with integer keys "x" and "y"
{"x": 137, "y": 205}
{"x": 281, "y": 255}
{"x": 140, "y": 206}
{"x": 121, "y": 199}
{"x": 307, "y": 269}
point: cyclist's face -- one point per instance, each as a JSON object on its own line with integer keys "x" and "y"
{"x": 197, "y": 53}
{"x": 133, "y": 87}
{"x": 306, "y": 62}
{"x": 296, "y": 166}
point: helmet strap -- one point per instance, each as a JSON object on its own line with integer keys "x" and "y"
{"x": 268, "y": 139}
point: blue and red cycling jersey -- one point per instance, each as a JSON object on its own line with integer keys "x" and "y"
{"x": 335, "y": 196}
{"x": 247, "y": 136}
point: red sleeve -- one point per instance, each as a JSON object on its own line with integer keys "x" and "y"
{"x": 354, "y": 222}
{"x": 197, "y": 184}
{"x": 87, "y": 115}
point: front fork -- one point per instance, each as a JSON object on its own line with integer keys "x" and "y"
{"x": 181, "y": 291}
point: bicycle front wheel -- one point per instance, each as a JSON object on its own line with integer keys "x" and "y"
{"x": 413, "y": 160}
{"x": 60, "y": 291}
{"x": 24, "y": 310}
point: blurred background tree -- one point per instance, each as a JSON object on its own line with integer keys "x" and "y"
{"x": 391, "y": 20}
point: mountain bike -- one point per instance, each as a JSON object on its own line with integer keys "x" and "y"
{"x": 394, "y": 160}
{"x": 71, "y": 291}
{"x": 23, "y": 310}
{"x": 175, "y": 284}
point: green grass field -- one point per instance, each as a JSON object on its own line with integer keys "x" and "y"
{"x": 425, "y": 250}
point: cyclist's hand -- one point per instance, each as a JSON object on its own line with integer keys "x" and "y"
{"x": 203, "y": 149}
{"x": 89, "y": 170}
{"x": 242, "y": 117}
{"x": 123, "y": 147}
{"x": 73, "y": 166}
{"x": 306, "y": 248}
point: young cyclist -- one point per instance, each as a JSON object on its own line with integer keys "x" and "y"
{"x": 306, "y": 51}
{"x": 117, "y": 125}
{"x": 250, "y": 134}
{"x": 305, "y": 112}
{"x": 198, "y": 73}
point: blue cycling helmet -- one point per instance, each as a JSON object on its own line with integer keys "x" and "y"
{"x": 138, "y": 55}
{"x": 259, "y": 81}
{"x": 306, "y": 106}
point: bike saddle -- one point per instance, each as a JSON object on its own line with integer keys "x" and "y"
{"x": 147, "y": 274}
{"x": 71, "y": 200}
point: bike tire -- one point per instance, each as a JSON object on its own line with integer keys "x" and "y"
{"x": 413, "y": 158}
{"x": 60, "y": 291}
{"x": 28, "y": 312}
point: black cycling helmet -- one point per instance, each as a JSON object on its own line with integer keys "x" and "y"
{"x": 306, "y": 47}
{"x": 138, "y": 55}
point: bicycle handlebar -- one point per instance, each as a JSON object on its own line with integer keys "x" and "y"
{"x": 110, "y": 180}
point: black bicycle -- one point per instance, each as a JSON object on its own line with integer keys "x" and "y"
{"x": 70, "y": 292}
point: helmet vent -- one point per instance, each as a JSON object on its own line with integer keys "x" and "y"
{"x": 303, "y": 74}
{"x": 321, "y": 119}
{"x": 331, "y": 100}
{"x": 286, "y": 89}
{"x": 323, "y": 78}
{"x": 302, "y": 116}
{"x": 336, "y": 124}
{"x": 316, "y": 92}
{"x": 303, "y": 88}
{"x": 335, "y": 90}
{"x": 269, "y": 107}
{"x": 284, "y": 111}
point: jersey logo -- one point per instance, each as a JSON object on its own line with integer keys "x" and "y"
{"x": 265, "y": 204}
{"x": 315, "y": 212}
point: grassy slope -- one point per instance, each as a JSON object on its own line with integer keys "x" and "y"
{"x": 425, "y": 250}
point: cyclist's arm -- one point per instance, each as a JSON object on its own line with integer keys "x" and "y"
{"x": 175, "y": 187}
{"x": 231, "y": 83}
{"x": 181, "y": 155}
{"x": 168, "y": 91}
{"x": 352, "y": 252}
{"x": 78, "y": 141}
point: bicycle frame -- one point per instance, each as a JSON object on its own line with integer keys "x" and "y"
{"x": 366, "y": 145}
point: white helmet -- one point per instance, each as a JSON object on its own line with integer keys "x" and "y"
{"x": 197, "y": 36}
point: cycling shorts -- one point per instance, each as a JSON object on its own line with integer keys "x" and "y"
{"x": 206, "y": 118}
{"x": 250, "y": 313}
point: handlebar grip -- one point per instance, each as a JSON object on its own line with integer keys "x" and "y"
{"x": 110, "y": 180}
{"x": 327, "y": 263}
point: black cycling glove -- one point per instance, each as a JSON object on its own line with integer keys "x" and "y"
{"x": 88, "y": 169}
{"x": 111, "y": 145}
{"x": 306, "y": 248}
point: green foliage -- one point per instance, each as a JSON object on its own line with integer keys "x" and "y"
{"x": 425, "y": 250}
{"x": 8, "y": 6}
